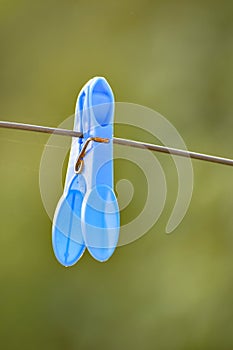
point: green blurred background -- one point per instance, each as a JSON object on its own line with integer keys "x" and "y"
{"x": 163, "y": 291}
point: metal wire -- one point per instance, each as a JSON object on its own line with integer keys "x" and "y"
{"x": 38, "y": 128}
{"x": 120, "y": 141}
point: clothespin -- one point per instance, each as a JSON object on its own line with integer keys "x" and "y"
{"x": 87, "y": 214}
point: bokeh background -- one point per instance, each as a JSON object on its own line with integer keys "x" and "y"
{"x": 163, "y": 291}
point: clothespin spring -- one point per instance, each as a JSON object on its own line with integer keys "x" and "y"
{"x": 80, "y": 162}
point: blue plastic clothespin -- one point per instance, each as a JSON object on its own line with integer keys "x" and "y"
{"x": 87, "y": 214}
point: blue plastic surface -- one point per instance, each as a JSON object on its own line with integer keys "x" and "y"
{"x": 87, "y": 215}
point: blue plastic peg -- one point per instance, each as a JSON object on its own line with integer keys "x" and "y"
{"x": 87, "y": 214}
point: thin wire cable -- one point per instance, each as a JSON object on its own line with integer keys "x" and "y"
{"x": 120, "y": 141}
{"x": 38, "y": 128}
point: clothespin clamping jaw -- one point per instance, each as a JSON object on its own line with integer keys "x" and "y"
{"x": 87, "y": 214}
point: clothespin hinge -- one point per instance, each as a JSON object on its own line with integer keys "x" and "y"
{"x": 80, "y": 162}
